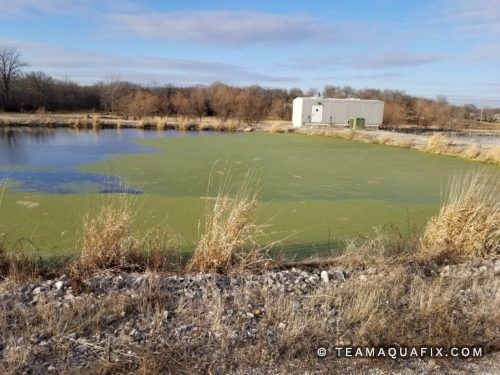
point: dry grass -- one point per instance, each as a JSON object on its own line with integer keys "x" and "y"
{"x": 468, "y": 223}
{"x": 106, "y": 239}
{"x": 384, "y": 139}
{"x": 96, "y": 122}
{"x": 274, "y": 128}
{"x": 161, "y": 123}
{"x": 472, "y": 152}
{"x": 230, "y": 234}
{"x": 79, "y": 123}
{"x": 438, "y": 143}
{"x": 492, "y": 155}
{"x": 107, "y": 242}
{"x": 404, "y": 142}
{"x": 401, "y": 307}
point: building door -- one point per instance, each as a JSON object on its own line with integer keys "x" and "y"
{"x": 317, "y": 114}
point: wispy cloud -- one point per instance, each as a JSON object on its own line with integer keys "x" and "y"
{"x": 395, "y": 59}
{"x": 378, "y": 60}
{"x": 228, "y": 28}
{"x": 66, "y": 7}
{"x": 475, "y": 17}
{"x": 90, "y": 67}
{"x": 387, "y": 75}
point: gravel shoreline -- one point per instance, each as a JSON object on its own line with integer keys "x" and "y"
{"x": 120, "y": 321}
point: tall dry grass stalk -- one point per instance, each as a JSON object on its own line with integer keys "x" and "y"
{"x": 468, "y": 223}
{"x": 161, "y": 122}
{"x": 492, "y": 155}
{"x": 473, "y": 151}
{"x": 96, "y": 122}
{"x": 106, "y": 240}
{"x": 230, "y": 234}
{"x": 438, "y": 143}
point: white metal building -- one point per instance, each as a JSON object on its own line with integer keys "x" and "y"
{"x": 326, "y": 111}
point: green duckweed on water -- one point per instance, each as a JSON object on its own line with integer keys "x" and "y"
{"x": 315, "y": 191}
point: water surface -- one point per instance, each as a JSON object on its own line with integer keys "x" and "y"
{"x": 44, "y": 160}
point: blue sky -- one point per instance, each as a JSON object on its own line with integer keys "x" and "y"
{"x": 427, "y": 48}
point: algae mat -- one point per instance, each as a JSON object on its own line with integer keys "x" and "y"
{"x": 315, "y": 191}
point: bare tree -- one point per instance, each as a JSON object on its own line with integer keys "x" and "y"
{"x": 198, "y": 102}
{"x": 180, "y": 104}
{"x": 40, "y": 86}
{"x": 222, "y": 100}
{"x": 140, "y": 103}
{"x": 250, "y": 106}
{"x": 394, "y": 113}
{"x": 11, "y": 66}
{"x": 111, "y": 92}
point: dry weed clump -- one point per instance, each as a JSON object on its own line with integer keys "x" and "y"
{"x": 107, "y": 242}
{"x": 438, "y": 143}
{"x": 15, "y": 265}
{"x": 161, "y": 123}
{"x": 229, "y": 238}
{"x": 384, "y": 139}
{"x": 468, "y": 223}
{"x": 472, "y": 151}
{"x": 492, "y": 155}
{"x": 106, "y": 239}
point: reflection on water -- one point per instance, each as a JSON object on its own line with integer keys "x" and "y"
{"x": 66, "y": 147}
{"x": 43, "y": 159}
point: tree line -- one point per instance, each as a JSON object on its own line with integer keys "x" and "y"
{"x": 36, "y": 91}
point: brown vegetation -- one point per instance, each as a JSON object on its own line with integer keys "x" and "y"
{"x": 468, "y": 223}
{"x": 107, "y": 242}
{"x": 230, "y": 237}
{"x": 437, "y": 144}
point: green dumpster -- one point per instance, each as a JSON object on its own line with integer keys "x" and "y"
{"x": 356, "y": 123}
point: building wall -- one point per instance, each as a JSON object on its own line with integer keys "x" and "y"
{"x": 297, "y": 112}
{"x": 338, "y": 111}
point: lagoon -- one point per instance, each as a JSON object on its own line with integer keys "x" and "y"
{"x": 315, "y": 191}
